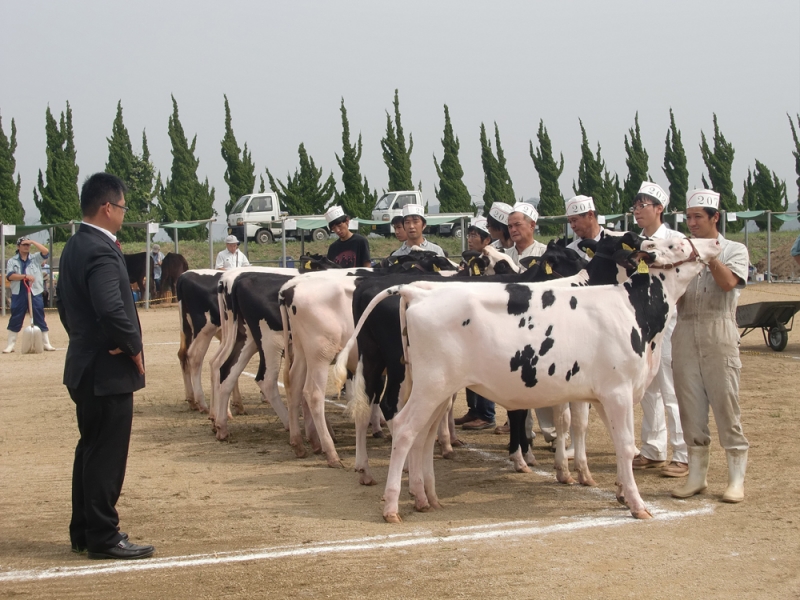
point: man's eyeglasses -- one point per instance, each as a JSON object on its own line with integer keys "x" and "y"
{"x": 124, "y": 208}
{"x": 640, "y": 206}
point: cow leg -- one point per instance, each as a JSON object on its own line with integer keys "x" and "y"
{"x": 272, "y": 348}
{"x": 619, "y": 411}
{"x": 375, "y": 421}
{"x": 518, "y": 447}
{"x": 314, "y": 395}
{"x": 444, "y": 436}
{"x": 420, "y": 463}
{"x": 297, "y": 374}
{"x": 194, "y": 360}
{"x": 451, "y": 425}
{"x": 580, "y": 424}
{"x": 561, "y": 416}
{"x": 232, "y": 368}
{"x": 418, "y": 416}
{"x": 357, "y": 402}
{"x": 236, "y": 399}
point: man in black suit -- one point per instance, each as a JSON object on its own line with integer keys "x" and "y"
{"x": 104, "y": 366}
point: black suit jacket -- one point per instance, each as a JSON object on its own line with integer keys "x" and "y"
{"x": 96, "y": 306}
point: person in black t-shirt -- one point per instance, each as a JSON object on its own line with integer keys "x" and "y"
{"x": 351, "y": 249}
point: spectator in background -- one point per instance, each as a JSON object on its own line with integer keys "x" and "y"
{"x": 351, "y": 249}
{"x": 582, "y": 218}
{"x": 231, "y": 257}
{"x": 414, "y": 223}
{"x": 497, "y": 222}
{"x": 796, "y": 250}
{"x": 26, "y": 267}
{"x": 158, "y": 258}
{"x": 399, "y": 230}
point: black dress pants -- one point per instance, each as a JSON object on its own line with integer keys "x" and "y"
{"x": 98, "y": 472}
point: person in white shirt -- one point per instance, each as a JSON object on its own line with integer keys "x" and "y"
{"x": 582, "y": 218}
{"x": 158, "y": 259}
{"x": 414, "y": 223}
{"x": 522, "y": 228}
{"x": 648, "y": 210}
{"x": 231, "y": 257}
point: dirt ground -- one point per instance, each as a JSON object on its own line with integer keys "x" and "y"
{"x": 247, "y": 519}
{"x": 782, "y": 263}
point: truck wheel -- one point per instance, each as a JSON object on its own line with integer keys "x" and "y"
{"x": 319, "y": 235}
{"x": 456, "y": 232}
{"x": 778, "y": 337}
{"x": 264, "y": 236}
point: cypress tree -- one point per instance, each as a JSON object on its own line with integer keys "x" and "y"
{"x": 497, "y": 182}
{"x": 764, "y": 191}
{"x": 719, "y": 163}
{"x": 675, "y": 166}
{"x": 637, "y": 165}
{"x": 356, "y": 199}
{"x": 303, "y": 193}
{"x": 183, "y": 197}
{"x": 452, "y": 193}
{"x": 57, "y": 200}
{"x": 594, "y": 179}
{"x": 551, "y": 201}
{"x": 137, "y": 173}
{"x": 11, "y": 210}
{"x": 796, "y": 154}
{"x": 240, "y": 174}
{"x": 395, "y": 154}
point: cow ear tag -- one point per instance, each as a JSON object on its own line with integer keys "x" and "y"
{"x": 307, "y": 266}
{"x": 476, "y": 269}
{"x": 642, "y": 268}
{"x": 590, "y": 253}
{"x": 628, "y": 248}
{"x": 547, "y": 268}
{"x": 436, "y": 269}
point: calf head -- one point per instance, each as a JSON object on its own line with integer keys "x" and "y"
{"x": 316, "y": 262}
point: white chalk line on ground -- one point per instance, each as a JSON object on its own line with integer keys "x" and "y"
{"x": 506, "y": 530}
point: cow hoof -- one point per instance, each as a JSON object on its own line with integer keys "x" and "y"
{"x": 366, "y": 479}
{"x": 423, "y": 509}
{"x": 435, "y": 504}
{"x": 299, "y": 451}
{"x": 240, "y": 410}
{"x": 621, "y": 500}
{"x": 335, "y": 464}
{"x": 222, "y": 435}
{"x": 392, "y": 518}
{"x": 522, "y": 469}
{"x": 448, "y": 454}
{"x": 564, "y": 477}
{"x": 587, "y": 481}
{"x": 378, "y": 435}
{"x": 456, "y": 443}
{"x": 642, "y": 514}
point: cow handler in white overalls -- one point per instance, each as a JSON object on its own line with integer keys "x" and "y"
{"x": 659, "y": 398}
{"x": 706, "y": 361}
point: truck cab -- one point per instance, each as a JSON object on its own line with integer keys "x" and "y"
{"x": 391, "y": 205}
{"x": 254, "y": 215}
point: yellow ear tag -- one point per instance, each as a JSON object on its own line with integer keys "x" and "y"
{"x": 476, "y": 270}
{"x": 436, "y": 269}
{"x": 642, "y": 268}
{"x": 307, "y": 266}
{"x": 547, "y": 268}
{"x": 590, "y": 253}
{"x": 628, "y": 248}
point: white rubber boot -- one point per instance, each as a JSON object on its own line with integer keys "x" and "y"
{"x": 46, "y": 342}
{"x": 737, "y": 465}
{"x": 698, "y": 469}
{"x": 12, "y": 341}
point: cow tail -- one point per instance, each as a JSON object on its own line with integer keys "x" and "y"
{"x": 405, "y": 386}
{"x": 287, "y": 348}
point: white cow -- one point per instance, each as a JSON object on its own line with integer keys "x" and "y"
{"x": 593, "y": 344}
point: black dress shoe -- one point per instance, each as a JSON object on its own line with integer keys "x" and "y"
{"x": 80, "y": 547}
{"x": 125, "y": 549}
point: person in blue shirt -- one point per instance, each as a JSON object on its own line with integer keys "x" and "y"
{"x": 26, "y": 267}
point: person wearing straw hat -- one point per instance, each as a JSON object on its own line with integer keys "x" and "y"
{"x": 522, "y": 228}
{"x": 26, "y": 267}
{"x": 582, "y": 218}
{"x": 497, "y": 221}
{"x": 231, "y": 257}
{"x": 707, "y": 366}
{"x": 648, "y": 209}
{"x": 414, "y": 223}
{"x": 351, "y": 249}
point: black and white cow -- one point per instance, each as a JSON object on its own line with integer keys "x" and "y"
{"x": 198, "y": 308}
{"x": 598, "y": 344}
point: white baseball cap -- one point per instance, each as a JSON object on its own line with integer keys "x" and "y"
{"x": 414, "y": 209}
{"x": 578, "y": 205}
{"x": 702, "y": 199}
{"x": 526, "y": 209}
{"x": 480, "y": 223}
{"x": 500, "y": 211}
{"x": 655, "y": 191}
{"x": 333, "y": 213}
{"x": 232, "y": 239}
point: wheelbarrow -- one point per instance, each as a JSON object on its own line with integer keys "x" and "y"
{"x": 772, "y": 318}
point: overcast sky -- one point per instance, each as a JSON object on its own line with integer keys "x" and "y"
{"x": 285, "y": 66}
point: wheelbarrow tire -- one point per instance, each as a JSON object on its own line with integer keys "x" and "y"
{"x": 778, "y": 337}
